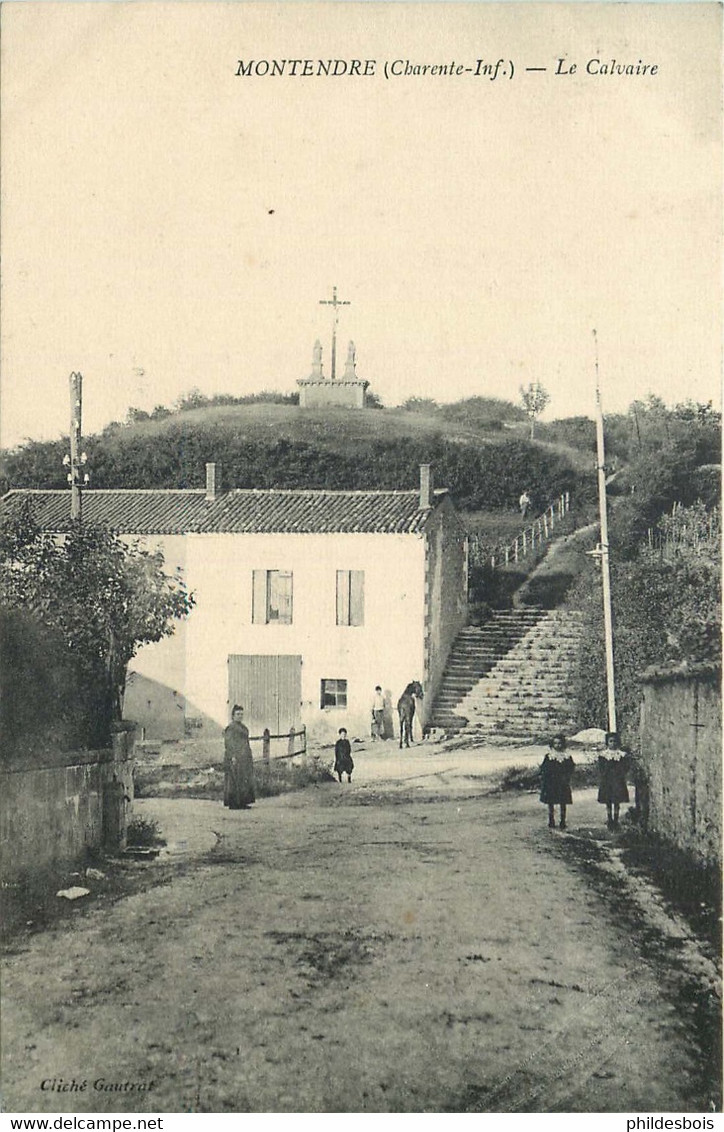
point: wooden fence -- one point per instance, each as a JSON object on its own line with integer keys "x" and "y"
{"x": 539, "y": 531}
{"x": 295, "y": 743}
{"x": 693, "y": 530}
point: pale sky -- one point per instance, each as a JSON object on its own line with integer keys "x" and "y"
{"x": 167, "y": 224}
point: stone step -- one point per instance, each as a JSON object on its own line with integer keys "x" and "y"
{"x": 488, "y": 716}
{"x": 521, "y": 726}
{"x": 512, "y": 674}
{"x": 500, "y": 707}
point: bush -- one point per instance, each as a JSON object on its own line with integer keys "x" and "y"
{"x": 520, "y": 778}
{"x": 658, "y": 480}
{"x": 490, "y": 476}
{"x": 481, "y": 410}
{"x": 46, "y": 704}
{"x": 283, "y": 775}
{"x": 420, "y": 405}
{"x": 279, "y": 777}
{"x": 665, "y": 610}
{"x": 143, "y": 833}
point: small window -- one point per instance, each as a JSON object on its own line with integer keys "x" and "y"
{"x": 272, "y": 597}
{"x": 350, "y": 597}
{"x": 334, "y": 694}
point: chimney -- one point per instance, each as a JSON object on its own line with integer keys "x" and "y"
{"x": 213, "y": 482}
{"x": 425, "y": 487}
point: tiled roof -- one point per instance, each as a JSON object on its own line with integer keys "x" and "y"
{"x": 127, "y": 512}
{"x": 240, "y": 511}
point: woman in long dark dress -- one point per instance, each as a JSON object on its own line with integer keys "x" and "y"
{"x": 613, "y": 767}
{"x": 556, "y": 773}
{"x": 238, "y": 763}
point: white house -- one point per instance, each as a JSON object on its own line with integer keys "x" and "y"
{"x": 305, "y": 600}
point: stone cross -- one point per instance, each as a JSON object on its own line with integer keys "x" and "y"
{"x": 334, "y": 303}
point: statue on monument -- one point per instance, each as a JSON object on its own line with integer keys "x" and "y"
{"x": 349, "y": 367}
{"x": 317, "y": 360}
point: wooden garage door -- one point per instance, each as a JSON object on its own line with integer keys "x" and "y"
{"x": 269, "y": 688}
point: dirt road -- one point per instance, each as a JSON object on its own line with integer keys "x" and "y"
{"x": 403, "y": 943}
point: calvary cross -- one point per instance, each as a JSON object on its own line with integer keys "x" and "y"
{"x": 334, "y": 302}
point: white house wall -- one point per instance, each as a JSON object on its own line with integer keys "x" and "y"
{"x": 388, "y": 649}
{"x": 157, "y": 674}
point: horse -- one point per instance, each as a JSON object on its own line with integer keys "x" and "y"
{"x": 406, "y": 710}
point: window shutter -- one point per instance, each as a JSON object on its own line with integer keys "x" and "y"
{"x": 282, "y": 598}
{"x": 259, "y": 606}
{"x": 343, "y": 597}
{"x": 356, "y": 597}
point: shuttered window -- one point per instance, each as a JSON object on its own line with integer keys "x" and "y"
{"x": 272, "y": 597}
{"x": 350, "y": 597}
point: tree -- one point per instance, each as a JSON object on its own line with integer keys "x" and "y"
{"x": 534, "y": 399}
{"x": 104, "y": 598}
{"x": 420, "y": 405}
{"x": 194, "y": 399}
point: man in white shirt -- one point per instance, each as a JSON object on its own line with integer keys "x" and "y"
{"x": 378, "y": 714}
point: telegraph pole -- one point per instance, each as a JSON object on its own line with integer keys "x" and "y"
{"x": 334, "y": 303}
{"x": 77, "y": 459}
{"x": 604, "y": 553}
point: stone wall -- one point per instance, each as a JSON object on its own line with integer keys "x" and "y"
{"x": 681, "y": 759}
{"x": 350, "y": 394}
{"x": 52, "y": 812}
{"x": 446, "y": 594}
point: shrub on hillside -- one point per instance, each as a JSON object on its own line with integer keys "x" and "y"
{"x": 577, "y": 432}
{"x": 420, "y": 405}
{"x": 489, "y": 476}
{"x": 658, "y": 480}
{"x": 478, "y": 411}
{"x": 665, "y": 610}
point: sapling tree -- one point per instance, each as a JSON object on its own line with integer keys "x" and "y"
{"x": 533, "y": 398}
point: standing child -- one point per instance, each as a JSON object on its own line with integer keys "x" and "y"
{"x": 378, "y": 714}
{"x": 613, "y": 766}
{"x": 343, "y": 763}
{"x": 556, "y": 772}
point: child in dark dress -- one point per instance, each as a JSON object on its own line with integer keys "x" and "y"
{"x": 613, "y": 767}
{"x": 343, "y": 763}
{"x": 556, "y": 774}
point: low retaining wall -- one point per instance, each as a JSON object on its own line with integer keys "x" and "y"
{"x": 681, "y": 730}
{"x": 52, "y": 813}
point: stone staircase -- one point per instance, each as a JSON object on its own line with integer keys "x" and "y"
{"x": 512, "y": 677}
{"x": 475, "y": 652}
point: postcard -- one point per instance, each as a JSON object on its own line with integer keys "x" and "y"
{"x": 360, "y": 424}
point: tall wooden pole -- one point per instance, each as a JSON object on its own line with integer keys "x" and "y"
{"x": 76, "y": 409}
{"x": 605, "y": 568}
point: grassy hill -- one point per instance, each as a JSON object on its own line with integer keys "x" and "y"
{"x": 331, "y": 427}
